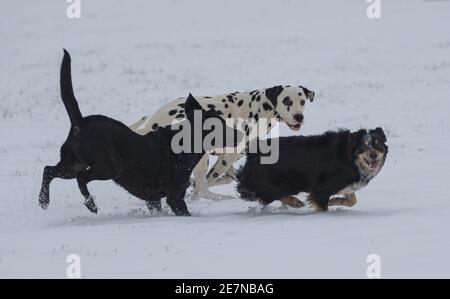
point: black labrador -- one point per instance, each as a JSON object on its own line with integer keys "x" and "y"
{"x": 101, "y": 148}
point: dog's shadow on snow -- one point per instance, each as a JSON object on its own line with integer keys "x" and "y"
{"x": 132, "y": 216}
{"x": 141, "y": 215}
{"x": 332, "y": 212}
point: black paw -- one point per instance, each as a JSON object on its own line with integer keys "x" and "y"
{"x": 90, "y": 204}
{"x": 44, "y": 199}
{"x": 182, "y": 213}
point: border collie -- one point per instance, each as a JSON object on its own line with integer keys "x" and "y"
{"x": 334, "y": 163}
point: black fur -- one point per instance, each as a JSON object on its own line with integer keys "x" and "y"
{"x": 320, "y": 165}
{"x": 101, "y": 148}
{"x": 272, "y": 94}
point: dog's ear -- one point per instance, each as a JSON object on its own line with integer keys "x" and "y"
{"x": 379, "y": 132}
{"x": 191, "y": 104}
{"x": 353, "y": 140}
{"x": 273, "y": 93}
{"x": 309, "y": 94}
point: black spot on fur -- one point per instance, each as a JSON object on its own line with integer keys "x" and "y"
{"x": 219, "y": 112}
{"x": 224, "y": 163}
{"x": 229, "y": 115}
{"x": 211, "y": 106}
{"x": 258, "y": 98}
{"x": 223, "y": 100}
{"x": 273, "y": 93}
{"x": 179, "y": 116}
{"x": 250, "y": 115}
{"x": 240, "y": 103}
{"x": 302, "y": 102}
{"x": 256, "y": 117}
{"x": 172, "y": 112}
{"x": 226, "y": 106}
{"x": 230, "y": 98}
{"x": 249, "y": 104}
{"x": 267, "y": 107}
{"x": 181, "y": 105}
{"x": 155, "y": 126}
{"x": 215, "y": 175}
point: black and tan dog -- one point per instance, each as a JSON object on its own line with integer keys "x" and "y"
{"x": 330, "y": 164}
{"x": 101, "y": 148}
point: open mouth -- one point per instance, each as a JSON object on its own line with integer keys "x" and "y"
{"x": 295, "y": 127}
{"x": 373, "y": 165}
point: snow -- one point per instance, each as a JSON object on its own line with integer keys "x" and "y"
{"x": 130, "y": 58}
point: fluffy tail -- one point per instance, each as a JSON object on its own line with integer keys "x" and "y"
{"x": 67, "y": 95}
{"x": 242, "y": 188}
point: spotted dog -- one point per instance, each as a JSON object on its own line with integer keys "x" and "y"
{"x": 330, "y": 167}
{"x": 279, "y": 103}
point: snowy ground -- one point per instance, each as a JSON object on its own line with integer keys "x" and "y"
{"x": 128, "y": 58}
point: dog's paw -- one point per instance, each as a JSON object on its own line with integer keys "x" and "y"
{"x": 90, "y": 204}
{"x": 181, "y": 212}
{"x": 44, "y": 199}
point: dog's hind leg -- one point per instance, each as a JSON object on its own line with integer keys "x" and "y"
{"x": 175, "y": 199}
{"x": 349, "y": 200}
{"x": 51, "y": 172}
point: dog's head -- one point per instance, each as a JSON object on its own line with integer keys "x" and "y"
{"x": 368, "y": 150}
{"x": 289, "y": 103}
{"x": 214, "y": 130}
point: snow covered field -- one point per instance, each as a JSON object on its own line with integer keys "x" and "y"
{"x": 129, "y": 57}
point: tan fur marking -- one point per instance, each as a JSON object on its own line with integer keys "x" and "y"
{"x": 292, "y": 201}
{"x": 349, "y": 200}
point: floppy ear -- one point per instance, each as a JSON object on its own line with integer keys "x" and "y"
{"x": 309, "y": 94}
{"x": 379, "y": 131}
{"x": 273, "y": 93}
{"x": 352, "y": 142}
{"x": 191, "y": 104}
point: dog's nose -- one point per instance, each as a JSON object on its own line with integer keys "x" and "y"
{"x": 373, "y": 155}
{"x": 298, "y": 117}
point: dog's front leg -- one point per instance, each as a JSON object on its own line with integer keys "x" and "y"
{"x": 349, "y": 200}
{"x": 175, "y": 200}
{"x": 222, "y": 172}
{"x": 200, "y": 171}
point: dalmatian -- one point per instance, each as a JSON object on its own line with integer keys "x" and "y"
{"x": 284, "y": 104}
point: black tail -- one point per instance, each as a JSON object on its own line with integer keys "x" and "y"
{"x": 67, "y": 95}
{"x": 242, "y": 188}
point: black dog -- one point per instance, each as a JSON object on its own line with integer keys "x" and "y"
{"x": 101, "y": 148}
{"x": 333, "y": 163}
